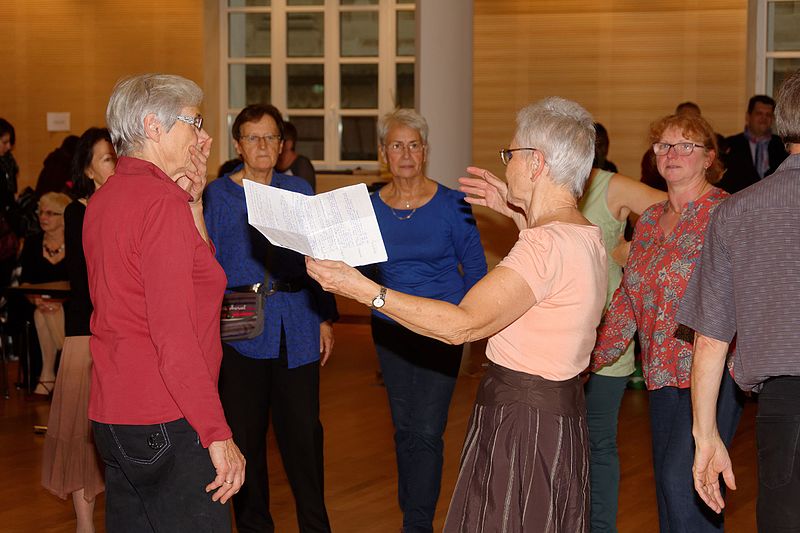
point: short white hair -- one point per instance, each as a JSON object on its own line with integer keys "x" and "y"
{"x": 134, "y": 98}
{"x": 403, "y": 117}
{"x": 564, "y": 133}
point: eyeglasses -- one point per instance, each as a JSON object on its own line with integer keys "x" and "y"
{"x": 48, "y": 213}
{"x": 196, "y": 121}
{"x": 507, "y": 153}
{"x": 680, "y": 148}
{"x": 256, "y": 139}
{"x": 414, "y": 147}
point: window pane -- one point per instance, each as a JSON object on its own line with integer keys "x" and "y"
{"x": 310, "y": 136}
{"x": 248, "y": 84}
{"x": 359, "y": 33}
{"x": 359, "y": 86}
{"x": 359, "y": 139}
{"x": 245, "y": 3}
{"x": 406, "y": 31}
{"x": 778, "y": 70}
{"x": 358, "y": 2}
{"x": 231, "y": 150}
{"x": 405, "y": 85}
{"x": 305, "y": 2}
{"x": 249, "y": 35}
{"x": 782, "y": 23}
{"x": 305, "y": 86}
{"x": 305, "y": 34}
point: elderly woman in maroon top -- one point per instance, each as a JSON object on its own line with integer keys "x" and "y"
{"x": 156, "y": 290}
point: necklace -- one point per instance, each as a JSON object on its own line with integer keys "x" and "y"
{"x": 680, "y": 213}
{"x": 52, "y": 252}
{"x": 406, "y": 217}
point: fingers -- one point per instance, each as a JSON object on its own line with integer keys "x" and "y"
{"x": 729, "y": 478}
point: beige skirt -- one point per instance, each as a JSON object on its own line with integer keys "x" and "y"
{"x": 70, "y": 461}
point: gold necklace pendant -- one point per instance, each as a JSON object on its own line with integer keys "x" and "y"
{"x": 406, "y": 217}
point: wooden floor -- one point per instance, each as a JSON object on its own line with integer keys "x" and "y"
{"x": 360, "y": 471}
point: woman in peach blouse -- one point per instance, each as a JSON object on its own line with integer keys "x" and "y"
{"x": 540, "y": 308}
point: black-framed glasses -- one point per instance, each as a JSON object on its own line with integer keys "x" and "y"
{"x": 269, "y": 138}
{"x": 679, "y": 148}
{"x": 196, "y": 121}
{"x": 507, "y": 153}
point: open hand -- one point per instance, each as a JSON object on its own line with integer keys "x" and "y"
{"x": 485, "y": 189}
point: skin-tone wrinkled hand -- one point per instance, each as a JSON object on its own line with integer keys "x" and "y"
{"x": 192, "y": 179}
{"x": 485, "y": 189}
{"x": 339, "y": 278}
{"x": 229, "y": 463}
{"x": 710, "y": 460}
{"x": 325, "y": 341}
{"x": 621, "y": 251}
{"x": 488, "y": 190}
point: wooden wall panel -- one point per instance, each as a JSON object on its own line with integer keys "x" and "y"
{"x": 627, "y": 62}
{"x": 66, "y": 55}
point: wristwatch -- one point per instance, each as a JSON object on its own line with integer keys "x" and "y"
{"x": 379, "y": 300}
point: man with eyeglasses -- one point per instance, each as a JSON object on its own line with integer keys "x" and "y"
{"x": 755, "y": 153}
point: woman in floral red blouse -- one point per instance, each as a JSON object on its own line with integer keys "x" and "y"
{"x": 666, "y": 245}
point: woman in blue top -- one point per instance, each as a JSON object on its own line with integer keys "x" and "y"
{"x": 279, "y": 370}
{"x": 434, "y": 251}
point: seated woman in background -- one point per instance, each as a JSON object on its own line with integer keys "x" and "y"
{"x": 527, "y": 434}
{"x": 70, "y": 464}
{"x": 42, "y": 261}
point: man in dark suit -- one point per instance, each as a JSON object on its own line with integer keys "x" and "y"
{"x": 755, "y": 153}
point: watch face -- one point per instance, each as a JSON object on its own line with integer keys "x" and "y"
{"x": 378, "y": 302}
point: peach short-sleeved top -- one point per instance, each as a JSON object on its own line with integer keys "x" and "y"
{"x": 565, "y": 267}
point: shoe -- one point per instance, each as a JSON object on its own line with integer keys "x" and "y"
{"x": 48, "y": 386}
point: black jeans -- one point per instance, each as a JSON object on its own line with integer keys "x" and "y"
{"x": 251, "y": 388}
{"x": 778, "y": 437}
{"x": 155, "y": 480}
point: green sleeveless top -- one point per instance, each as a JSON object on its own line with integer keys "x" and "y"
{"x": 594, "y": 207}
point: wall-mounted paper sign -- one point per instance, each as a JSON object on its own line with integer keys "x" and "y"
{"x": 58, "y": 121}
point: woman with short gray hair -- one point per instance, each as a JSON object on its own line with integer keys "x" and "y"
{"x": 540, "y": 308}
{"x": 156, "y": 289}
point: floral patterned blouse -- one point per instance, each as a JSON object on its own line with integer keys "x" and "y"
{"x": 658, "y": 270}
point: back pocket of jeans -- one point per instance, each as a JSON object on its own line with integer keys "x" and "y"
{"x": 777, "y": 438}
{"x": 141, "y": 444}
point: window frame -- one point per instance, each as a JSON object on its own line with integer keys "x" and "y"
{"x": 331, "y": 112}
{"x": 763, "y": 77}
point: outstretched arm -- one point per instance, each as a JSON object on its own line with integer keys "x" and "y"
{"x": 626, "y": 195}
{"x": 492, "y": 304}
{"x": 488, "y": 190}
{"x": 710, "y": 457}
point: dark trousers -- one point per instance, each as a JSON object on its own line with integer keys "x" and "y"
{"x": 420, "y": 375}
{"x": 156, "y": 477}
{"x": 778, "y": 438}
{"x": 251, "y": 389}
{"x": 680, "y": 509}
{"x": 603, "y": 399}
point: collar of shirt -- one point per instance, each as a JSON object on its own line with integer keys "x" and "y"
{"x": 140, "y": 167}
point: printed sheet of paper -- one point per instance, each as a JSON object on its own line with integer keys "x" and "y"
{"x": 339, "y": 224}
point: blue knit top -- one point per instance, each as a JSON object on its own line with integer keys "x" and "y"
{"x": 430, "y": 248}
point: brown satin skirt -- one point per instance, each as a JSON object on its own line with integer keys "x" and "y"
{"x": 525, "y": 462}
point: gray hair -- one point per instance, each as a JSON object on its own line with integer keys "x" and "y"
{"x": 403, "y": 117}
{"x": 787, "y": 109}
{"x": 134, "y": 98}
{"x": 564, "y": 133}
